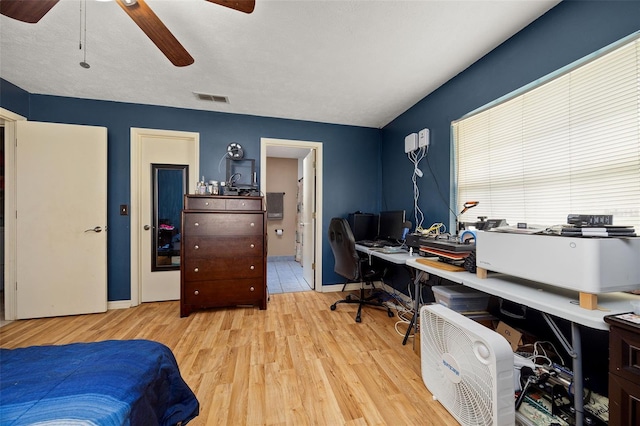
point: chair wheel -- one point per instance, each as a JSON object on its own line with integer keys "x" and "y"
{"x": 390, "y": 314}
{"x": 333, "y": 307}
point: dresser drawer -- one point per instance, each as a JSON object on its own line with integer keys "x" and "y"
{"x": 204, "y": 203}
{"x": 223, "y": 268}
{"x": 624, "y": 401}
{"x": 224, "y": 292}
{"x": 624, "y": 353}
{"x": 220, "y": 223}
{"x": 243, "y": 204}
{"x": 208, "y": 247}
{"x": 207, "y": 202}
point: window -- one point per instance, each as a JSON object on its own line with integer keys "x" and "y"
{"x": 568, "y": 143}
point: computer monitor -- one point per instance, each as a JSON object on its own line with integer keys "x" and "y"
{"x": 391, "y": 225}
{"x": 364, "y": 226}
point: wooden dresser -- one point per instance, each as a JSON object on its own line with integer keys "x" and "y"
{"x": 624, "y": 371}
{"x": 223, "y": 252}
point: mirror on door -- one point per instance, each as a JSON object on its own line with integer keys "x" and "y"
{"x": 169, "y": 183}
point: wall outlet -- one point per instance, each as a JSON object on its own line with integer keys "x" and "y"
{"x": 423, "y": 138}
{"x": 411, "y": 142}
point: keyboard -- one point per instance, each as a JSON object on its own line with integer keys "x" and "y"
{"x": 378, "y": 243}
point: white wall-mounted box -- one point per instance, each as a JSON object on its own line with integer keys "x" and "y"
{"x": 411, "y": 142}
{"x": 588, "y": 265}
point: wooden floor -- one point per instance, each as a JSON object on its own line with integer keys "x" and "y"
{"x": 296, "y": 363}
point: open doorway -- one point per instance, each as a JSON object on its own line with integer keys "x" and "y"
{"x": 302, "y": 232}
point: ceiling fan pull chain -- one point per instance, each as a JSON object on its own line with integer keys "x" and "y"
{"x": 84, "y": 63}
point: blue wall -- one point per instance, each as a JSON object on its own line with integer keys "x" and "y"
{"x": 567, "y": 32}
{"x": 351, "y": 159}
{"x": 14, "y": 98}
{"x": 357, "y": 161}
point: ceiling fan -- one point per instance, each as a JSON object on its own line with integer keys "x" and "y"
{"x": 32, "y": 11}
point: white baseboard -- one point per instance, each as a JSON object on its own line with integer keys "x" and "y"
{"x": 119, "y": 304}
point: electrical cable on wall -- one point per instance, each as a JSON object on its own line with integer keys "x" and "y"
{"x": 415, "y": 157}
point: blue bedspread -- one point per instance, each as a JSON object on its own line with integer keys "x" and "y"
{"x": 128, "y": 382}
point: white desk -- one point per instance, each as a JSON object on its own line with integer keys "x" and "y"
{"x": 547, "y": 299}
{"x": 396, "y": 258}
{"x": 544, "y": 298}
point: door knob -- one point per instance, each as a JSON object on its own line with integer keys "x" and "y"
{"x": 96, "y": 229}
{"x": 147, "y": 227}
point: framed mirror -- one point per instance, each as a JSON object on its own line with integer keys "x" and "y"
{"x": 169, "y": 184}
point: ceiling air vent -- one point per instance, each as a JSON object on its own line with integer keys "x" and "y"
{"x": 211, "y": 98}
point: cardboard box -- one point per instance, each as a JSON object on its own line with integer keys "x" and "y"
{"x": 513, "y": 336}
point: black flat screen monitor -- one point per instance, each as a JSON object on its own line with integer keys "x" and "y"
{"x": 391, "y": 225}
{"x": 364, "y": 226}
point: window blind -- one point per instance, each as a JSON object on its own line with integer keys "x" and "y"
{"x": 568, "y": 144}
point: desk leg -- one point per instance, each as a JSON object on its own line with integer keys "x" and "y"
{"x": 416, "y": 305}
{"x": 578, "y": 383}
{"x": 575, "y": 351}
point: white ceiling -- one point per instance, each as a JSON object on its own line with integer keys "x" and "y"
{"x": 350, "y": 62}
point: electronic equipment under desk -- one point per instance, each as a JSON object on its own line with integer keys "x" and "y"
{"x": 549, "y": 300}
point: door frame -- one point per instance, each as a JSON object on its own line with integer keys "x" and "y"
{"x": 136, "y": 221}
{"x": 317, "y": 147}
{"x": 10, "y": 221}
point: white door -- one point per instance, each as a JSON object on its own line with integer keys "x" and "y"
{"x": 157, "y": 147}
{"x": 308, "y": 218}
{"x": 61, "y": 200}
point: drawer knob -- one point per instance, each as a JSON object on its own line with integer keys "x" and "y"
{"x": 195, "y": 269}
{"x": 252, "y": 224}
{"x": 244, "y": 204}
{"x": 252, "y": 289}
{"x": 252, "y": 267}
{"x": 196, "y": 224}
{"x": 196, "y": 247}
{"x": 196, "y": 292}
{"x": 206, "y": 203}
{"x": 253, "y": 246}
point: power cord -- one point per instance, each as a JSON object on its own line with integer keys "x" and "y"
{"x": 444, "y": 201}
{"x": 415, "y": 157}
{"x": 436, "y": 228}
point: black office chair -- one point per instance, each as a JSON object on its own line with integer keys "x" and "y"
{"x": 352, "y": 267}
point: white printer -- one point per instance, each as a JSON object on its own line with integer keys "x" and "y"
{"x": 588, "y": 265}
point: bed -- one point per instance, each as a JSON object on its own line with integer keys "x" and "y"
{"x": 114, "y": 382}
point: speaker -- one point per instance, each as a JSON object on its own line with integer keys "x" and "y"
{"x": 364, "y": 226}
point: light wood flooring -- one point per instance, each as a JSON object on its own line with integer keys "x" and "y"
{"x": 296, "y": 363}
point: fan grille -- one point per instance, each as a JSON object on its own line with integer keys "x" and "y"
{"x": 456, "y": 373}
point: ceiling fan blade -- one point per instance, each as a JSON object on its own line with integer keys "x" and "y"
{"x": 159, "y": 34}
{"x": 245, "y": 6}
{"x": 29, "y": 11}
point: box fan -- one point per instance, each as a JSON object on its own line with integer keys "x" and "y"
{"x": 467, "y": 367}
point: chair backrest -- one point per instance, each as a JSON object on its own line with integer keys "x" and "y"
{"x": 343, "y": 245}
